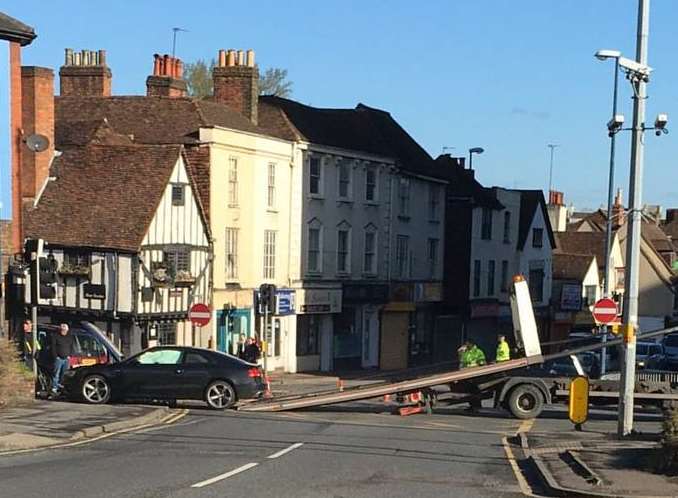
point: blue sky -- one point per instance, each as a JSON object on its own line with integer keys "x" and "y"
{"x": 509, "y": 76}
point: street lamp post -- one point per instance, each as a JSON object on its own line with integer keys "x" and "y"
{"x": 604, "y": 55}
{"x": 474, "y": 150}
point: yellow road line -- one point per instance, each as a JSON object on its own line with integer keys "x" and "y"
{"x": 522, "y": 482}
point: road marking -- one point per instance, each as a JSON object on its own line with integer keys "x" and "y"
{"x": 226, "y": 475}
{"x": 286, "y": 450}
{"x": 522, "y": 482}
{"x": 526, "y": 425}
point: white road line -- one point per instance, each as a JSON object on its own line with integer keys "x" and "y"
{"x": 286, "y": 450}
{"x": 226, "y": 475}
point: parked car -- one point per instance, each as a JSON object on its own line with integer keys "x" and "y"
{"x": 169, "y": 373}
{"x": 647, "y": 350}
{"x": 671, "y": 351}
{"x": 90, "y": 344}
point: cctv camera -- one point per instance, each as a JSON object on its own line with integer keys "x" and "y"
{"x": 635, "y": 67}
{"x": 615, "y": 123}
{"x": 661, "y": 121}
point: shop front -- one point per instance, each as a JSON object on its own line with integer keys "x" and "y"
{"x": 360, "y": 315}
{"x": 314, "y": 338}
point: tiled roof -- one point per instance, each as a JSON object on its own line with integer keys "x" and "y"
{"x": 96, "y": 131}
{"x": 362, "y": 129}
{"x": 148, "y": 120}
{"x": 582, "y": 243}
{"x": 102, "y": 196}
{"x": 198, "y": 164}
{"x": 530, "y": 201}
{"x": 14, "y": 30}
{"x": 571, "y": 266}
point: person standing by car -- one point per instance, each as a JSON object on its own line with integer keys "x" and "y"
{"x": 252, "y": 351}
{"x": 241, "y": 346}
{"x": 471, "y": 355}
{"x": 62, "y": 348}
{"x": 503, "y": 350}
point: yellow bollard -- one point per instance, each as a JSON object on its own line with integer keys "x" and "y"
{"x": 579, "y": 401}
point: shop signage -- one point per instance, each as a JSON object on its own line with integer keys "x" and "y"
{"x": 401, "y": 292}
{"x": 319, "y": 300}
{"x": 570, "y": 297}
{"x": 356, "y": 293}
{"x": 428, "y": 292}
{"x": 484, "y": 310}
{"x": 94, "y": 291}
{"x": 284, "y": 302}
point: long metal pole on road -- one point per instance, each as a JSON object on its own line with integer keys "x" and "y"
{"x": 630, "y": 313}
{"x": 608, "y": 226}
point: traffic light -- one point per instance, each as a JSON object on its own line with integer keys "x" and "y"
{"x": 267, "y": 297}
{"x": 47, "y": 266}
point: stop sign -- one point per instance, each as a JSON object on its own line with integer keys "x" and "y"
{"x": 605, "y": 310}
{"x": 200, "y": 314}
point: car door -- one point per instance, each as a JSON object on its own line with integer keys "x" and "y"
{"x": 153, "y": 374}
{"x": 195, "y": 374}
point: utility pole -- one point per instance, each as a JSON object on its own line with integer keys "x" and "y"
{"x": 630, "y": 314}
{"x": 552, "y": 147}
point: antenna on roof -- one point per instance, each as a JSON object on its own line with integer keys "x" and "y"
{"x": 174, "y": 39}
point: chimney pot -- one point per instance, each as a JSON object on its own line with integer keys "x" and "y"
{"x": 165, "y": 65}
{"x": 241, "y": 57}
{"x": 250, "y": 58}
{"x": 230, "y": 58}
{"x": 85, "y": 74}
{"x": 156, "y": 64}
{"x": 180, "y": 69}
{"x": 102, "y": 57}
{"x": 222, "y": 58}
{"x": 68, "y": 57}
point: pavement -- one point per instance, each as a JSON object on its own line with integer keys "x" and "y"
{"x": 45, "y": 423}
{"x": 561, "y": 461}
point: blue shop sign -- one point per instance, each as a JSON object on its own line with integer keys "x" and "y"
{"x": 284, "y": 300}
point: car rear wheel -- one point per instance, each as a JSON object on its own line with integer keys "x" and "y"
{"x": 96, "y": 390}
{"x": 220, "y": 395}
{"x": 525, "y": 402}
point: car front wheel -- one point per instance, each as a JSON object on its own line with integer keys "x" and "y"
{"x": 220, "y": 395}
{"x": 96, "y": 390}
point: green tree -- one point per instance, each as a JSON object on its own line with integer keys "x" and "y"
{"x": 274, "y": 82}
{"x": 198, "y": 76}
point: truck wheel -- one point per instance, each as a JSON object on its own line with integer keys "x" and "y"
{"x": 525, "y": 402}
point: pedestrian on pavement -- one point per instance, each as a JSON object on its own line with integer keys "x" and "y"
{"x": 471, "y": 355}
{"x": 62, "y": 348}
{"x": 503, "y": 350}
{"x": 28, "y": 343}
{"x": 242, "y": 344}
{"x": 252, "y": 351}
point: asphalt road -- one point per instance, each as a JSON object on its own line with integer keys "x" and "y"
{"x": 353, "y": 451}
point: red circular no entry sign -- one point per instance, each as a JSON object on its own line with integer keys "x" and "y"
{"x": 200, "y": 314}
{"x": 605, "y": 310}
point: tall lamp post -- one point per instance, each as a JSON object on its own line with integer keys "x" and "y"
{"x": 605, "y": 55}
{"x": 474, "y": 150}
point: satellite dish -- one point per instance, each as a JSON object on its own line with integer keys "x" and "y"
{"x": 37, "y": 143}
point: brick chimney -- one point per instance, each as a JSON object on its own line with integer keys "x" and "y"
{"x": 85, "y": 74}
{"x": 37, "y": 110}
{"x": 618, "y": 211}
{"x": 236, "y": 82}
{"x": 167, "y": 78}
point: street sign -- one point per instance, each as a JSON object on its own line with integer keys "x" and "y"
{"x": 200, "y": 314}
{"x": 605, "y": 311}
{"x": 284, "y": 302}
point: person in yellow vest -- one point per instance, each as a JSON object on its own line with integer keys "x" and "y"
{"x": 503, "y": 350}
{"x": 470, "y": 355}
